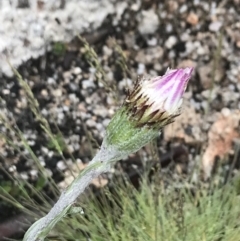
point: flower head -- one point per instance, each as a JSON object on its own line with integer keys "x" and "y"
{"x": 151, "y": 105}
{"x": 157, "y": 101}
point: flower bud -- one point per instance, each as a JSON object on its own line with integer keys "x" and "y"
{"x": 157, "y": 101}
{"x": 152, "y": 104}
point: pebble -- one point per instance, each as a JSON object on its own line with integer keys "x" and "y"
{"x": 171, "y": 41}
{"x": 6, "y": 91}
{"x": 74, "y": 87}
{"x": 60, "y": 115}
{"x": 171, "y": 54}
{"x": 152, "y": 41}
{"x": 51, "y": 81}
{"x": 205, "y": 6}
{"x": 100, "y": 111}
{"x": 169, "y": 28}
{"x": 91, "y": 123}
{"x": 183, "y": 9}
{"x": 149, "y": 22}
{"x": 44, "y": 92}
{"x": 192, "y": 18}
{"x": 12, "y": 168}
{"x": 61, "y": 165}
{"x": 57, "y": 92}
{"x": 225, "y": 112}
{"x": 24, "y": 176}
{"x": 196, "y": 2}
{"x": 200, "y": 50}
{"x": 215, "y": 26}
{"x": 141, "y": 69}
{"x": 77, "y": 70}
{"x": 44, "y": 112}
{"x": 73, "y": 98}
{"x": 135, "y": 6}
{"x": 107, "y": 51}
{"x": 88, "y": 84}
{"x": 65, "y": 108}
{"x": 50, "y": 154}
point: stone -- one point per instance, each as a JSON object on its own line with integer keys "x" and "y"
{"x": 148, "y": 23}
{"x": 37, "y": 26}
{"x": 171, "y": 41}
{"x": 215, "y": 26}
{"x": 192, "y": 18}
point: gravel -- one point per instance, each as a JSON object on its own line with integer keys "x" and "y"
{"x": 153, "y": 37}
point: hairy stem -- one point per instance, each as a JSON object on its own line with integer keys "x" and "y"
{"x": 101, "y": 163}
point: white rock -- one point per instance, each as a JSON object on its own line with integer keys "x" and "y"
{"x": 61, "y": 165}
{"x": 141, "y": 69}
{"x": 169, "y": 27}
{"x": 225, "y": 112}
{"x": 149, "y": 22}
{"x": 57, "y": 92}
{"x": 215, "y": 26}
{"x": 77, "y": 70}
{"x": 91, "y": 123}
{"x": 183, "y": 8}
{"x": 152, "y": 42}
{"x": 170, "y": 42}
{"x": 60, "y": 115}
{"x": 38, "y": 27}
{"x": 88, "y": 84}
{"x": 100, "y": 111}
{"x": 34, "y": 173}
{"x": 51, "y": 81}
{"x": 200, "y": 50}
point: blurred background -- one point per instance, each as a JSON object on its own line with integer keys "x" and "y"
{"x": 77, "y": 59}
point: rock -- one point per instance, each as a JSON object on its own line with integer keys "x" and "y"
{"x": 141, "y": 69}
{"x": 57, "y": 92}
{"x": 226, "y": 112}
{"x": 44, "y": 92}
{"x": 91, "y": 123}
{"x": 169, "y": 27}
{"x": 100, "y": 111}
{"x": 77, "y": 70}
{"x": 88, "y": 84}
{"x": 192, "y": 18}
{"x": 61, "y": 165}
{"x": 171, "y": 41}
{"x": 183, "y": 9}
{"x": 220, "y": 138}
{"x": 148, "y": 23}
{"x": 152, "y": 42}
{"x": 215, "y": 26}
{"x": 37, "y": 27}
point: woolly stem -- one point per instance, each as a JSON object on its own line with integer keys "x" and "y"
{"x": 100, "y": 164}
